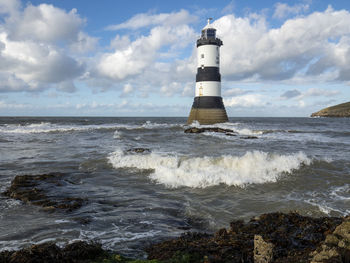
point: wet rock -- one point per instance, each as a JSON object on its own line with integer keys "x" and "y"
{"x": 49, "y": 252}
{"x": 34, "y": 189}
{"x": 326, "y": 254}
{"x": 210, "y": 129}
{"x": 263, "y": 251}
{"x": 336, "y": 246}
{"x": 288, "y": 238}
{"x": 138, "y": 150}
{"x": 249, "y": 137}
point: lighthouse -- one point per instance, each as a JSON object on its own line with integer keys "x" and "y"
{"x": 208, "y": 107}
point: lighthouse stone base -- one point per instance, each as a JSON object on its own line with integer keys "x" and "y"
{"x": 207, "y": 110}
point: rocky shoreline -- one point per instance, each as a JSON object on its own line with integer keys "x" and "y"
{"x": 273, "y": 237}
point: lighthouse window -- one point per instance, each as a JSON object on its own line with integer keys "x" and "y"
{"x": 210, "y": 33}
{"x": 202, "y": 56}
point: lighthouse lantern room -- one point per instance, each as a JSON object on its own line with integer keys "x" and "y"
{"x": 208, "y": 107}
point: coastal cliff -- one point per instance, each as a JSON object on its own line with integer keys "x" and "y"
{"x": 340, "y": 110}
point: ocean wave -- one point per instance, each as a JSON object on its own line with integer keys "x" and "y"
{"x": 174, "y": 171}
{"x": 235, "y": 126}
{"x": 47, "y": 127}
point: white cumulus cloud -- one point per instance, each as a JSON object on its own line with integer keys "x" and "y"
{"x": 134, "y": 58}
{"x": 302, "y": 48}
{"x": 36, "y": 44}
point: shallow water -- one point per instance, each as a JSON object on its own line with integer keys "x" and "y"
{"x": 197, "y": 182}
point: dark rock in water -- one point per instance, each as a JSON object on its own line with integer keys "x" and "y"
{"x": 340, "y": 110}
{"x": 249, "y": 137}
{"x": 34, "y": 189}
{"x": 209, "y": 129}
{"x": 289, "y": 237}
{"x": 139, "y": 150}
{"x": 48, "y": 252}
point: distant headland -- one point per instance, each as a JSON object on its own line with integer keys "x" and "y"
{"x": 340, "y": 110}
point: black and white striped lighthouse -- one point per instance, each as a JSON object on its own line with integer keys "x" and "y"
{"x": 208, "y": 107}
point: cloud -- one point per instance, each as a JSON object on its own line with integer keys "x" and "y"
{"x": 84, "y": 43}
{"x": 315, "y": 92}
{"x": 44, "y": 23}
{"x": 290, "y": 94}
{"x": 314, "y": 48}
{"x": 35, "y": 64}
{"x": 250, "y": 100}
{"x": 311, "y": 92}
{"x": 235, "y": 92}
{"x": 9, "y": 7}
{"x": 35, "y": 47}
{"x": 14, "y": 106}
{"x": 282, "y": 10}
{"x": 145, "y": 20}
{"x": 140, "y": 54}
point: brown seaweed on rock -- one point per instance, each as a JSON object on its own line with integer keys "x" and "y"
{"x": 76, "y": 252}
{"x": 34, "y": 189}
{"x": 293, "y": 238}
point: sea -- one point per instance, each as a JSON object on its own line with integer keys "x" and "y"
{"x": 183, "y": 182}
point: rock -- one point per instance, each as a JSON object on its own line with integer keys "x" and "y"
{"x": 331, "y": 240}
{"x": 340, "y": 110}
{"x": 76, "y": 252}
{"x": 34, "y": 189}
{"x": 263, "y": 251}
{"x": 291, "y": 238}
{"x": 209, "y": 129}
{"x": 139, "y": 150}
{"x": 336, "y": 247}
{"x": 326, "y": 255}
{"x": 343, "y": 231}
{"x": 249, "y": 137}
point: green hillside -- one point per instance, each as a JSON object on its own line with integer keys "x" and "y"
{"x": 340, "y": 110}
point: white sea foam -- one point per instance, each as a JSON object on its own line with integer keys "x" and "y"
{"x": 117, "y": 134}
{"x": 200, "y": 172}
{"x": 47, "y": 127}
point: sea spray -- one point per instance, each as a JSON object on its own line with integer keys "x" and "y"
{"x": 199, "y": 172}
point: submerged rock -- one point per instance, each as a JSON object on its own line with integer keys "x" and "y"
{"x": 139, "y": 150}
{"x": 34, "y": 189}
{"x": 288, "y": 237}
{"x": 249, "y": 137}
{"x": 209, "y": 129}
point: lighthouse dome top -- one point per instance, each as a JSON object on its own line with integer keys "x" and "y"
{"x": 209, "y": 32}
{"x": 208, "y": 36}
{"x": 208, "y": 25}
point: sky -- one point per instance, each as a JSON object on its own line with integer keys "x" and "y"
{"x": 138, "y": 58}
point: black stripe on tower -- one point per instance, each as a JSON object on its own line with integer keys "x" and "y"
{"x": 208, "y": 102}
{"x": 209, "y": 41}
{"x": 208, "y": 74}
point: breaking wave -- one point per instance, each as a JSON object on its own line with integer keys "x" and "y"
{"x": 47, "y": 127}
{"x": 174, "y": 171}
